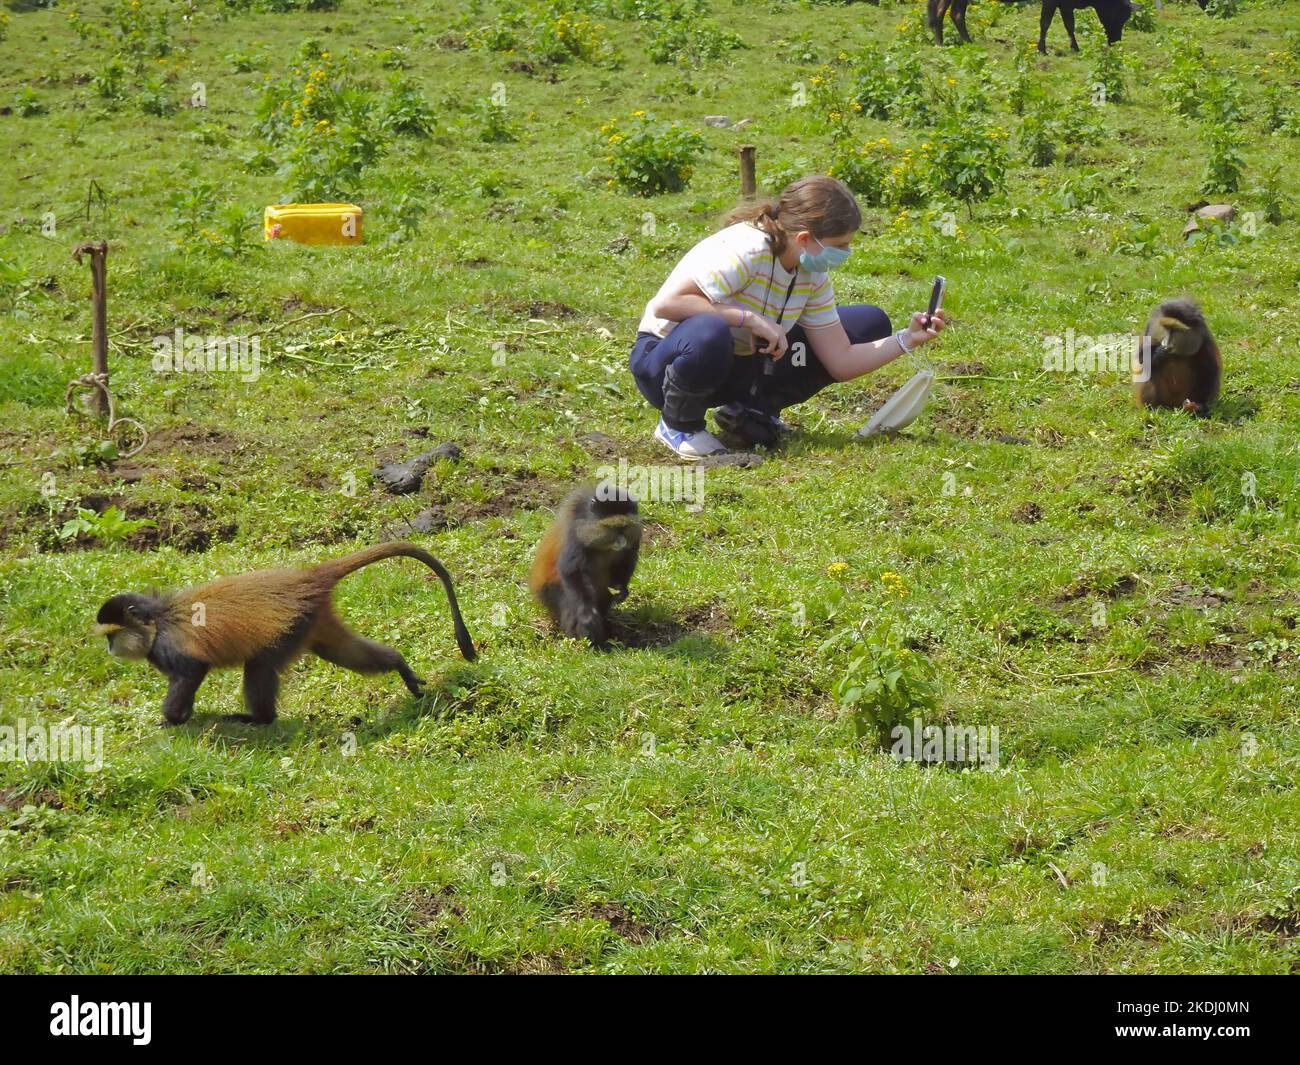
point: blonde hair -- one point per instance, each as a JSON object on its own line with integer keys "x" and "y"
{"x": 823, "y": 206}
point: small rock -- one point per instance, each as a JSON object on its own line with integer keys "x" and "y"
{"x": 1220, "y": 212}
{"x": 402, "y": 478}
{"x": 717, "y": 121}
{"x": 431, "y": 520}
{"x": 130, "y": 473}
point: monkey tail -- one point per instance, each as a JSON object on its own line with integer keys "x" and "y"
{"x": 341, "y": 567}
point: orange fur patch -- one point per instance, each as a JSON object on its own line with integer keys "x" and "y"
{"x": 244, "y": 614}
{"x": 544, "y": 564}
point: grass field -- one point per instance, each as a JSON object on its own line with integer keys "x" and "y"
{"x": 1115, "y": 591}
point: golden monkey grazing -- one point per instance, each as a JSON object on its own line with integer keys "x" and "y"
{"x": 261, "y": 621}
{"x": 1184, "y": 360}
{"x": 591, "y": 548}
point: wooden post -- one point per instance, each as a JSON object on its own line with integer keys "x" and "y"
{"x": 98, "y": 252}
{"x": 748, "y": 186}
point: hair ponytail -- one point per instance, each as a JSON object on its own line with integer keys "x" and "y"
{"x": 821, "y": 205}
{"x": 762, "y": 215}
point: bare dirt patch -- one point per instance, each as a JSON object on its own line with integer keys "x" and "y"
{"x": 638, "y": 633}
{"x": 1105, "y": 586}
{"x": 526, "y": 490}
{"x": 12, "y": 799}
{"x": 1147, "y": 924}
{"x": 620, "y": 922}
{"x": 549, "y": 310}
{"x": 194, "y": 438}
{"x": 428, "y": 907}
{"x": 188, "y": 527}
{"x": 1181, "y": 595}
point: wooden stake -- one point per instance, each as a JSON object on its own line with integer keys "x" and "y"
{"x": 98, "y": 252}
{"x": 748, "y": 186}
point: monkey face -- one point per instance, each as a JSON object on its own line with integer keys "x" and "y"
{"x": 1175, "y": 337}
{"x": 129, "y": 642}
{"x": 620, "y": 532}
{"x": 128, "y": 626}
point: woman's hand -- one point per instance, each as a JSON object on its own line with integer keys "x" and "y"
{"x": 917, "y": 331}
{"x": 771, "y": 336}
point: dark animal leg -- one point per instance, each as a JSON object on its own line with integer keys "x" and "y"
{"x": 937, "y": 10}
{"x": 1067, "y": 16}
{"x": 261, "y": 686}
{"x": 1045, "y": 23}
{"x": 582, "y": 615}
{"x": 335, "y": 642}
{"x": 959, "y": 18}
{"x": 179, "y": 703}
{"x": 1202, "y": 393}
{"x": 620, "y": 575}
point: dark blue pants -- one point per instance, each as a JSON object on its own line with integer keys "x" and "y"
{"x": 701, "y": 352}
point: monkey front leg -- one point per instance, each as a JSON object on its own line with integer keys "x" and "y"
{"x": 620, "y": 574}
{"x": 580, "y": 616}
{"x": 179, "y": 703}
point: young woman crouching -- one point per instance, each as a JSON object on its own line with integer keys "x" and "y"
{"x": 747, "y": 322}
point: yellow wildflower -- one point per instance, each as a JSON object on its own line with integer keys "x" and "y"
{"x": 894, "y": 584}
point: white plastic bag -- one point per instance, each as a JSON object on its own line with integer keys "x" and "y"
{"x": 903, "y": 407}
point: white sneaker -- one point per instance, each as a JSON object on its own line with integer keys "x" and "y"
{"x": 691, "y": 446}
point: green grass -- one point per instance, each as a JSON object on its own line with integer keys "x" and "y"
{"x": 516, "y": 820}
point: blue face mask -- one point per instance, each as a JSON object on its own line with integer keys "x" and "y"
{"x": 827, "y": 259}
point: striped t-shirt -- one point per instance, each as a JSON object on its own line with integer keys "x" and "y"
{"x": 735, "y": 267}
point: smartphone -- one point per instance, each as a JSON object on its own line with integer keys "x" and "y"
{"x": 936, "y": 297}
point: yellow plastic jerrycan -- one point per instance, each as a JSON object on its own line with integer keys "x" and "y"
{"x": 313, "y": 223}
